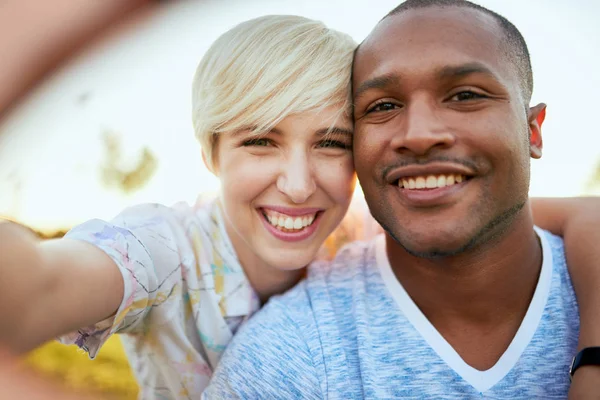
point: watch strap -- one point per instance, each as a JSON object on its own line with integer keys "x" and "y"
{"x": 587, "y": 356}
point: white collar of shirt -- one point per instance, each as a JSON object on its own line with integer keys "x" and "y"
{"x": 480, "y": 380}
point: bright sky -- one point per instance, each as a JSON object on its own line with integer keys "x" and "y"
{"x": 137, "y": 82}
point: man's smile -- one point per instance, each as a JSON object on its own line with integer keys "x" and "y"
{"x": 430, "y": 181}
{"x": 432, "y": 190}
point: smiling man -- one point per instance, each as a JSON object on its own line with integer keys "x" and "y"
{"x": 463, "y": 297}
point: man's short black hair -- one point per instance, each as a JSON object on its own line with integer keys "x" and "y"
{"x": 516, "y": 48}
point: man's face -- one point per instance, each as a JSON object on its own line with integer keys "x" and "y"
{"x": 442, "y": 130}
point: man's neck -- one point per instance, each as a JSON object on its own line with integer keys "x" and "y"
{"x": 481, "y": 294}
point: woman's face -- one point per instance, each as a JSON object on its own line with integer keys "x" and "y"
{"x": 284, "y": 192}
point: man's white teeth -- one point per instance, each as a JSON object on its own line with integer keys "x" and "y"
{"x": 282, "y": 221}
{"x": 430, "y": 181}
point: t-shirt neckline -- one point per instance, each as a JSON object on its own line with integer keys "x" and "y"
{"x": 480, "y": 380}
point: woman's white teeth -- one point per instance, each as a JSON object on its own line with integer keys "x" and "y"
{"x": 430, "y": 181}
{"x": 282, "y": 221}
{"x": 297, "y": 223}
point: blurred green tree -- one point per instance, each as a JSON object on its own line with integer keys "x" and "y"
{"x": 116, "y": 175}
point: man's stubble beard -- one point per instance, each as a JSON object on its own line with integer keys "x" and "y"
{"x": 489, "y": 233}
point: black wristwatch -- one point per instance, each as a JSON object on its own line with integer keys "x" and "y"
{"x": 587, "y": 356}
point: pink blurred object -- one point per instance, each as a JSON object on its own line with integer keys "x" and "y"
{"x": 37, "y": 36}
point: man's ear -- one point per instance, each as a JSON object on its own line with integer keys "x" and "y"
{"x": 536, "y": 117}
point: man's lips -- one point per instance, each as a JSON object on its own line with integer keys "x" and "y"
{"x": 426, "y": 171}
{"x": 431, "y": 198}
{"x": 430, "y": 185}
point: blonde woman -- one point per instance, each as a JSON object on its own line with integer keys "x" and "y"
{"x": 271, "y": 108}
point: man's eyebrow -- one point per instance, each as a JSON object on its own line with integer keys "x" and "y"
{"x": 459, "y": 71}
{"x": 379, "y": 82}
{"x": 335, "y": 131}
{"x": 453, "y": 71}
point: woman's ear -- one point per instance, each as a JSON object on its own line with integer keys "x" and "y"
{"x": 208, "y": 165}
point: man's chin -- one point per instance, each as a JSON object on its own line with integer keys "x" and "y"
{"x": 439, "y": 245}
{"x": 433, "y": 253}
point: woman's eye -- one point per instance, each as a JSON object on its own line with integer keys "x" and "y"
{"x": 466, "y": 95}
{"x": 335, "y": 144}
{"x": 257, "y": 142}
{"x": 382, "y": 107}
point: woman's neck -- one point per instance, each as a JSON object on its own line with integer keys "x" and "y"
{"x": 265, "y": 279}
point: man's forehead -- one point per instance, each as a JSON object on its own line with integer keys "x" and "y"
{"x": 412, "y": 36}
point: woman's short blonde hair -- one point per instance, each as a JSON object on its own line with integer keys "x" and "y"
{"x": 265, "y": 69}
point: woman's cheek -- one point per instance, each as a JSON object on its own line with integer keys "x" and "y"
{"x": 338, "y": 178}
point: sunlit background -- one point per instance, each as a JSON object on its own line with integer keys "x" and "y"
{"x": 111, "y": 127}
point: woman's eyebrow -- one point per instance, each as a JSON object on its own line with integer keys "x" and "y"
{"x": 247, "y": 129}
{"x": 335, "y": 130}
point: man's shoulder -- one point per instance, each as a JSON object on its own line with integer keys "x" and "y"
{"x": 553, "y": 247}
{"x": 326, "y": 281}
{"x": 561, "y": 291}
{"x": 294, "y": 302}
{"x": 277, "y": 344}
{"x": 283, "y": 343}
{"x": 328, "y": 288}
{"x": 349, "y": 261}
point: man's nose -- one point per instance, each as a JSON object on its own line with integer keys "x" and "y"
{"x": 296, "y": 179}
{"x": 423, "y": 129}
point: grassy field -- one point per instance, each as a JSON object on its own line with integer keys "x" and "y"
{"x": 108, "y": 374}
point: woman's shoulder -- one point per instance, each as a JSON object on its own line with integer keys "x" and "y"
{"x": 181, "y": 214}
{"x": 155, "y": 227}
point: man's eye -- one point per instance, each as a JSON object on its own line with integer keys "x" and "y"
{"x": 382, "y": 107}
{"x": 334, "y": 144}
{"x": 257, "y": 142}
{"x": 467, "y": 95}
